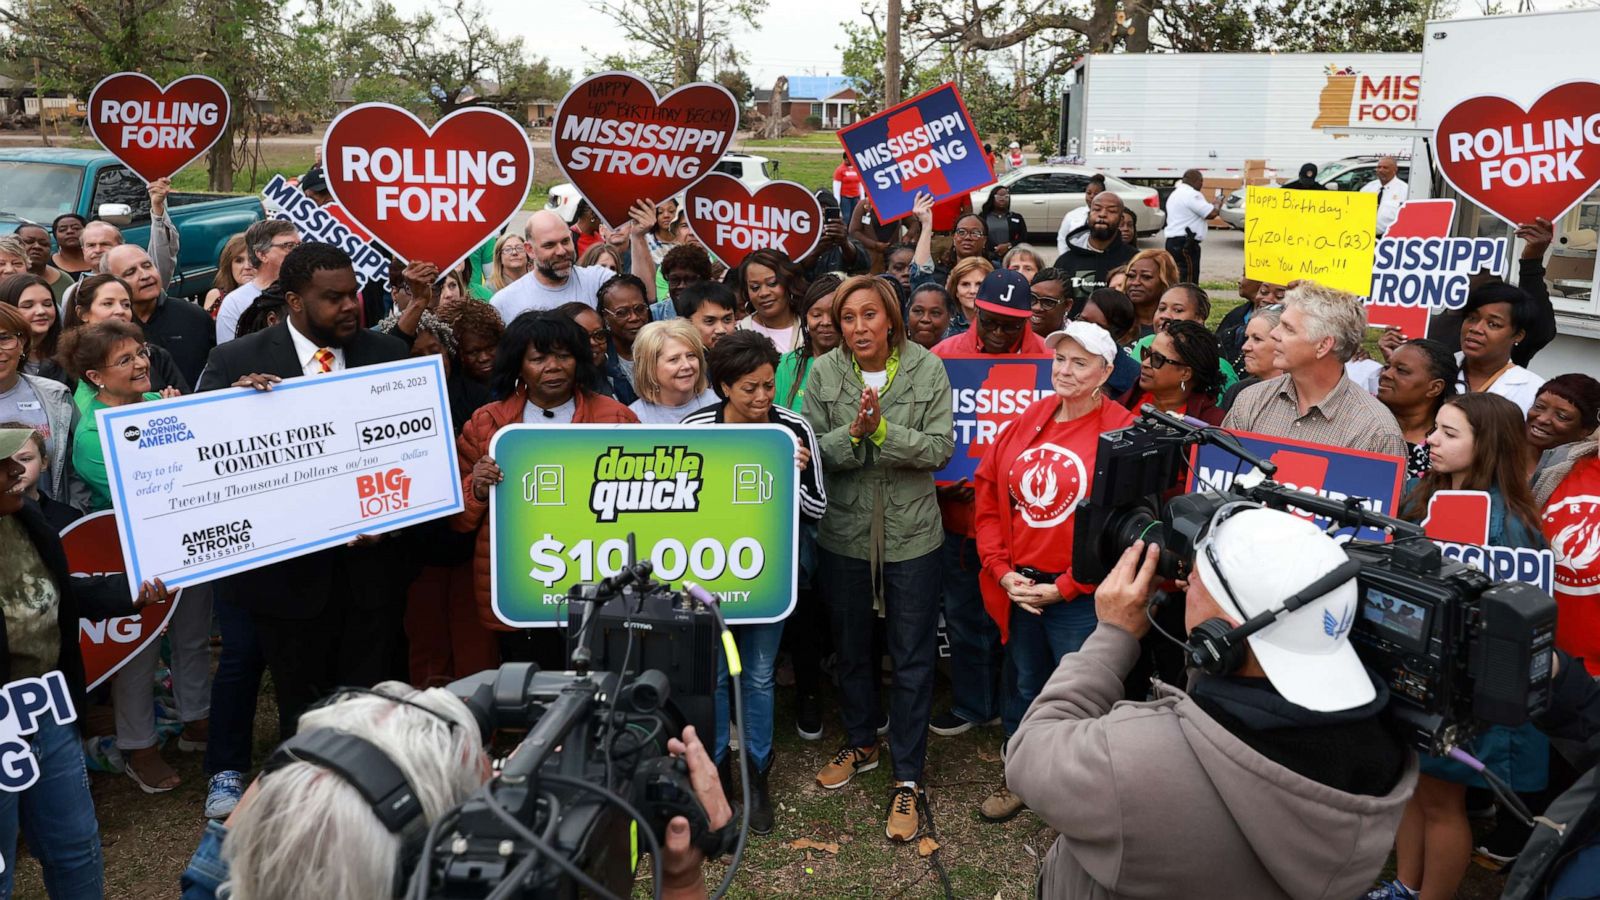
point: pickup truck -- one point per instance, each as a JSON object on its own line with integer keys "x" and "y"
{"x": 39, "y": 183}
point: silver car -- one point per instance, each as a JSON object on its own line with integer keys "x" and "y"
{"x": 1349, "y": 174}
{"x": 1044, "y": 194}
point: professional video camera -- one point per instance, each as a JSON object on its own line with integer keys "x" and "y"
{"x": 592, "y": 777}
{"x": 1457, "y": 650}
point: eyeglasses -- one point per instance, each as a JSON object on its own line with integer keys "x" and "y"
{"x": 1007, "y": 324}
{"x": 629, "y": 312}
{"x": 968, "y": 233}
{"x": 9, "y": 341}
{"x": 1046, "y": 303}
{"x": 126, "y": 361}
{"x": 598, "y": 336}
{"x": 1157, "y": 360}
{"x": 284, "y": 245}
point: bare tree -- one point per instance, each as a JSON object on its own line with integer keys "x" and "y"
{"x": 682, "y": 36}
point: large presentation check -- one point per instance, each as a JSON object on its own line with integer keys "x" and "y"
{"x": 219, "y": 483}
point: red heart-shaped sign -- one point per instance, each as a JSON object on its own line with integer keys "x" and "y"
{"x": 731, "y": 220}
{"x": 94, "y": 548}
{"x": 430, "y": 195}
{"x": 619, "y": 143}
{"x": 1523, "y": 164}
{"x": 155, "y": 130}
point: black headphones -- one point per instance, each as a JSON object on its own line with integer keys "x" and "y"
{"x": 365, "y": 767}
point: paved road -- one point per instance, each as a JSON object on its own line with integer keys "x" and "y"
{"x": 1221, "y": 256}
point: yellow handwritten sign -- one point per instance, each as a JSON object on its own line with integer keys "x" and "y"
{"x": 1322, "y": 236}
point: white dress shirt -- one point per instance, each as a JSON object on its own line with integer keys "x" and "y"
{"x": 1390, "y": 196}
{"x": 1516, "y": 384}
{"x": 306, "y": 349}
{"x": 1187, "y": 210}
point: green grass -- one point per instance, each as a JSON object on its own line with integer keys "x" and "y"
{"x": 812, "y": 141}
{"x": 812, "y": 170}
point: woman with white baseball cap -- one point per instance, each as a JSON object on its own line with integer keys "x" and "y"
{"x": 1027, "y": 489}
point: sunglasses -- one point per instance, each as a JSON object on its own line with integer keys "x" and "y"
{"x": 1156, "y": 359}
{"x": 1007, "y": 324}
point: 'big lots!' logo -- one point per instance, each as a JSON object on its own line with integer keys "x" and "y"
{"x": 664, "y": 479}
{"x": 383, "y": 492}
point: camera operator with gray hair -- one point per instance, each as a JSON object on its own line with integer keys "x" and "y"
{"x": 307, "y": 827}
{"x": 1272, "y": 776}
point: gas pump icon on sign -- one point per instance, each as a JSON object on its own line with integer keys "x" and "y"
{"x": 752, "y": 484}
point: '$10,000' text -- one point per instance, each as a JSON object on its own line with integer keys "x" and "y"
{"x": 707, "y": 559}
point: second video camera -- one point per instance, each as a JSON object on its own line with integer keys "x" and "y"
{"x": 1457, "y": 650}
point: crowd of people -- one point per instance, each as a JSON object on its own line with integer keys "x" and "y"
{"x": 579, "y": 323}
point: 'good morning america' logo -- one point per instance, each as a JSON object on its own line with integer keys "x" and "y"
{"x": 664, "y": 479}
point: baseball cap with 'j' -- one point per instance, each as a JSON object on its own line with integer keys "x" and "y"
{"x": 1267, "y": 556}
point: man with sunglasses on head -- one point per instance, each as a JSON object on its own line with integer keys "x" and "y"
{"x": 1273, "y": 771}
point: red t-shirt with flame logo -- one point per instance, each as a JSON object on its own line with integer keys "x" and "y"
{"x": 1572, "y": 525}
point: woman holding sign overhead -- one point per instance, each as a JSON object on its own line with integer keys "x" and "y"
{"x": 880, "y": 405}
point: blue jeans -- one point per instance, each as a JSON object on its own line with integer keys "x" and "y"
{"x": 911, "y": 600}
{"x": 847, "y": 208}
{"x": 1036, "y": 647}
{"x": 974, "y": 639}
{"x": 57, "y": 814}
{"x": 234, "y": 688}
{"x": 758, "y": 653}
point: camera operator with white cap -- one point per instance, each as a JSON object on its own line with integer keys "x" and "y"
{"x": 1271, "y": 777}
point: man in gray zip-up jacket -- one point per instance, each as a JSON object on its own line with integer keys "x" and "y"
{"x": 1276, "y": 780}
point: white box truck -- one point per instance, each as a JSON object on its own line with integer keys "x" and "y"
{"x": 1147, "y": 117}
{"x": 1519, "y": 58}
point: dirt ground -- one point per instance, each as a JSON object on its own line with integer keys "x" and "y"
{"x": 149, "y": 839}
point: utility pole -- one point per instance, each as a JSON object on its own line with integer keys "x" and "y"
{"x": 891, "y": 57}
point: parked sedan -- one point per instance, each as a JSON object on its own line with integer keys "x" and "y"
{"x": 1043, "y": 195}
{"x": 1348, "y": 174}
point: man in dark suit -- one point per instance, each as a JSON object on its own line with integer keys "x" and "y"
{"x": 331, "y": 618}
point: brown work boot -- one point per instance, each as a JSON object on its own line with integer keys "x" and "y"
{"x": 904, "y": 824}
{"x": 847, "y": 764}
{"x": 1001, "y": 806}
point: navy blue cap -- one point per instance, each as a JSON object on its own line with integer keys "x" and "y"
{"x": 1006, "y": 293}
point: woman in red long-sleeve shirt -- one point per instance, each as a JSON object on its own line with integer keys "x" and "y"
{"x": 1027, "y": 490}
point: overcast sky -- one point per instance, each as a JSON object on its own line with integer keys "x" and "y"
{"x": 795, "y": 38}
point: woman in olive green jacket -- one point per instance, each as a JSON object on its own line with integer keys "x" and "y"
{"x": 880, "y": 405}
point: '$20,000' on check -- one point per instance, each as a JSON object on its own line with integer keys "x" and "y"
{"x": 215, "y": 484}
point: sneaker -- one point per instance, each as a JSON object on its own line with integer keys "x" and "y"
{"x": 883, "y": 726}
{"x": 223, "y": 794}
{"x": 948, "y": 724}
{"x": 808, "y": 717}
{"x": 1488, "y": 859}
{"x": 1001, "y": 806}
{"x": 847, "y": 764}
{"x": 1391, "y": 890}
{"x": 904, "y": 824}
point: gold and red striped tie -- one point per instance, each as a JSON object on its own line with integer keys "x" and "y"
{"x": 324, "y": 359}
